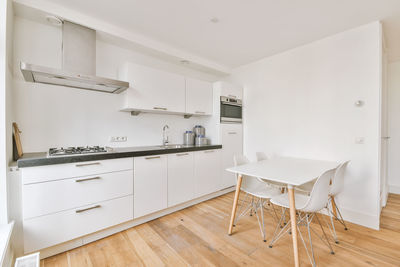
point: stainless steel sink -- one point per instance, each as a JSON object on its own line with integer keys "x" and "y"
{"x": 171, "y": 146}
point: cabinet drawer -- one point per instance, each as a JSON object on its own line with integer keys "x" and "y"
{"x": 62, "y": 171}
{"x": 49, "y": 197}
{"x": 49, "y": 230}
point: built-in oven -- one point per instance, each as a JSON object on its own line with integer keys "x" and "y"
{"x": 231, "y": 110}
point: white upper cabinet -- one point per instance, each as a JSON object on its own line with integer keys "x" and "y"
{"x": 153, "y": 90}
{"x": 199, "y": 97}
{"x": 230, "y": 90}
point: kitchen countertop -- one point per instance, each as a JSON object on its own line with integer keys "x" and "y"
{"x": 41, "y": 159}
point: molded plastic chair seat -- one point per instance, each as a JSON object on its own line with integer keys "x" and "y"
{"x": 261, "y": 190}
{"x": 283, "y": 201}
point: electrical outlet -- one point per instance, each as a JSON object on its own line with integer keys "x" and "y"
{"x": 118, "y": 139}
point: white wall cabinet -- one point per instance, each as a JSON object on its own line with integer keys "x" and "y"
{"x": 232, "y": 144}
{"x": 181, "y": 186}
{"x": 207, "y": 171}
{"x": 199, "y": 97}
{"x": 150, "y": 184}
{"x": 153, "y": 90}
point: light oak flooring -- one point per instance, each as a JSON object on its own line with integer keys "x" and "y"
{"x": 197, "y": 236}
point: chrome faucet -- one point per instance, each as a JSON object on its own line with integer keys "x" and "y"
{"x": 165, "y": 135}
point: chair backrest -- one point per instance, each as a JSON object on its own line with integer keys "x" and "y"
{"x": 248, "y": 182}
{"x": 261, "y": 156}
{"x": 338, "y": 179}
{"x": 320, "y": 193}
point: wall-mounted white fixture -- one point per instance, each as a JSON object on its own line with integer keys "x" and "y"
{"x": 359, "y": 103}
{"x": 360, "y": 140}
{"x": 118, "y": 139}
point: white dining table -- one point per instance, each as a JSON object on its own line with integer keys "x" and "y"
{"x": 290, "y": 171}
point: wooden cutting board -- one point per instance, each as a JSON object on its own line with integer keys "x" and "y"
{"x": 17, "y": 139}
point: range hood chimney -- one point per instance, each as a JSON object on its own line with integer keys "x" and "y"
{"x": 78, "y": 64}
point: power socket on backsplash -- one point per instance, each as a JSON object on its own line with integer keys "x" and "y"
{"x": 118, "y": 139}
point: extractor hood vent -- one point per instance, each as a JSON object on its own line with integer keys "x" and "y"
{"x": 78, "y": 65}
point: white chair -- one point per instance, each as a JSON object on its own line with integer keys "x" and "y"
{"x": 335, "y": 188}
{"x": 258, "y": 189}
{"x": 307, "y": 207}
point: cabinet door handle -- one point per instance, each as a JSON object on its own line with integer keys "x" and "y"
{"x": 87, "y": 164}
{"x": 182, "y": 154}
{"x": 232, "y": 132}
{"x": 87, "y": 179}
{"x": 156, "y": 157}
{"x": 199, "y": 112}
{"x": 208, "y": 151}
{"x": 159, "y": 108}
{"x": 90, "y": 208}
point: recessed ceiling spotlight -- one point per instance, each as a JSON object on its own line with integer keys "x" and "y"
{"x": 214, "y": 20}
{"x": 185, "y": 62}
{"x": 54, "y": 20}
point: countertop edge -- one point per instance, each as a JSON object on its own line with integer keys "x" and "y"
{"x": 43, "y": 161}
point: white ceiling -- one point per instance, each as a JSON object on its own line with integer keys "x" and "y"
{"x": 247, "y": 30}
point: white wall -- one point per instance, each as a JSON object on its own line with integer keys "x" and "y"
{"x": 394, "y": 126}
{"x": 301, "y": 103}
{"x": 53, "y": 116}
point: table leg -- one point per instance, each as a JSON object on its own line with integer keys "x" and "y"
{"x": 294, "y": 225}
{"x": 235, "y": 201}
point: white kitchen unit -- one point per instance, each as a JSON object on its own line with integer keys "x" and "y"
{"x": 229, "y": 90}
{"x": 150, "y": 184}
{"x": 181, "y": 184}
{"x": 199, "y": 96}
{"x": 232, "y": 144}
{"x": 153, "y": 90}
{"x": 207, "y": 171}
{"x": 65, "y": 201}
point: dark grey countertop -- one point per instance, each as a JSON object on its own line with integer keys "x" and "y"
{"x": 41, "y": 159}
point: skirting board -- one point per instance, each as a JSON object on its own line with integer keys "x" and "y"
{"x": 394, "y": 189}
{"x": 47, "y": 252}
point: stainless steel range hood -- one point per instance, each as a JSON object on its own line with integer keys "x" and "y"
{"x": 78, "y": 64}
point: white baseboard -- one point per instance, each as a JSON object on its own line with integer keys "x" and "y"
{"x": 47, "y": 252}
{"x": 360, "y": 218}
{"x": 394, "y": 189}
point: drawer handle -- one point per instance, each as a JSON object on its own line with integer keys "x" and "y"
{"x": 232, "y": 132}
{"x": 90, "y": 208}
{"x": 199, "y": 112}
{"x": 182, "y": 154}
{"x": 87, "y": 164}
{"x": 209, "y": 151}
{"x": 159, "y": 108}
{"x": 156, "y": 157}
{"x": 87, "y": 179}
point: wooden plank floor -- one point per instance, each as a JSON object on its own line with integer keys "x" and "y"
{"x": 197, "y": 236}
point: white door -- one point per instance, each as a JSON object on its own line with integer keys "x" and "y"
{"x": 199, "y": 97}
{"x": 180, "y": 178}
{"x": 232, "y": 144}
{"x": 150, "y": 184}
{"x": 153, "y": 89}
{"x": 384, "y": 136}
{"x": 207, "y": 171}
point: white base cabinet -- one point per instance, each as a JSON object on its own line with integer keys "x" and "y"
{"x": 150, "y": 184}
{"x": 181, "y": 186}
{"x": 207, "y": 171}
{"x": 232, "y": 144}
